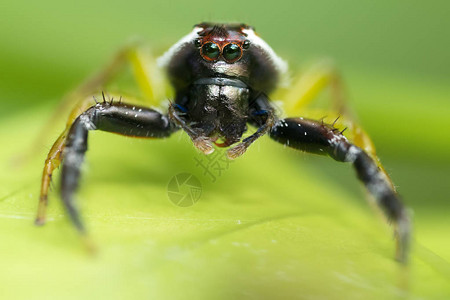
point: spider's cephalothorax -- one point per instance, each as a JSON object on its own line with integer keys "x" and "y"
{"x": 220, "y": 72}
{"x": 222, "y": 75}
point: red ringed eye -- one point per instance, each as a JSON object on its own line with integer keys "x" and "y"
{"x": 210, "y": 51}
{"x": 232, "y": 52}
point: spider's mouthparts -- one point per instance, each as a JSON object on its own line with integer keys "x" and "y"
{"x": 203, "y": 144}
{"x": 223, "y": 144}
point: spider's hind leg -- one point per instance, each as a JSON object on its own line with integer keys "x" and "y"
{"x": 315, "y": 137}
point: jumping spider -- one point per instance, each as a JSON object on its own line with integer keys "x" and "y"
{"x": 222, "y": 75}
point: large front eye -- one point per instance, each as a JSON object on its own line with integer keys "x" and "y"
{"x": 210, "y": 51}
{"x": 232, "y": 52}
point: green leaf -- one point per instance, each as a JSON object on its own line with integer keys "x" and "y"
{"x": 270, "y": 226}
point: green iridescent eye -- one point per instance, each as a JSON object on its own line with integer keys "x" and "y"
{"x": 210, "y": 51}
{"x": 232, "y": 52}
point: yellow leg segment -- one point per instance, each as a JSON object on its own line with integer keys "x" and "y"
{"x": 147, "y": 75}
{"x": 52, "y": 162}
{"x": 310, "y": 84}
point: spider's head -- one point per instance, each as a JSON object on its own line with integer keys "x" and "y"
{"x": 223, "y": 50}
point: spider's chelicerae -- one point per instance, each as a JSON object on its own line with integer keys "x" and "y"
{"x": 222, "y": 75}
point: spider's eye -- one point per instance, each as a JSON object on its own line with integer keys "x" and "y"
{"x": 210, "y": 51}
{"x": 198, "y": 43}
{"x": 232, "y": 52}
{"x": 246, "y": 44}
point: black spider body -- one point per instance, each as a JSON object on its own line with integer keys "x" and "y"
{"x": 216, "y": 95}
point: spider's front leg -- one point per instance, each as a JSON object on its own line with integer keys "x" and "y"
{"x": 118, "y": 118}
{"x": 316, "y": 137}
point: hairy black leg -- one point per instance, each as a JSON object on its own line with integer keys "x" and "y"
{"x": 316, "y": 137}
{"x": 112, "y": 117}
{"x": 73, "y": 155}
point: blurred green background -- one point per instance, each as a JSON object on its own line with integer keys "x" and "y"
{"x": 295, "y": 226}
